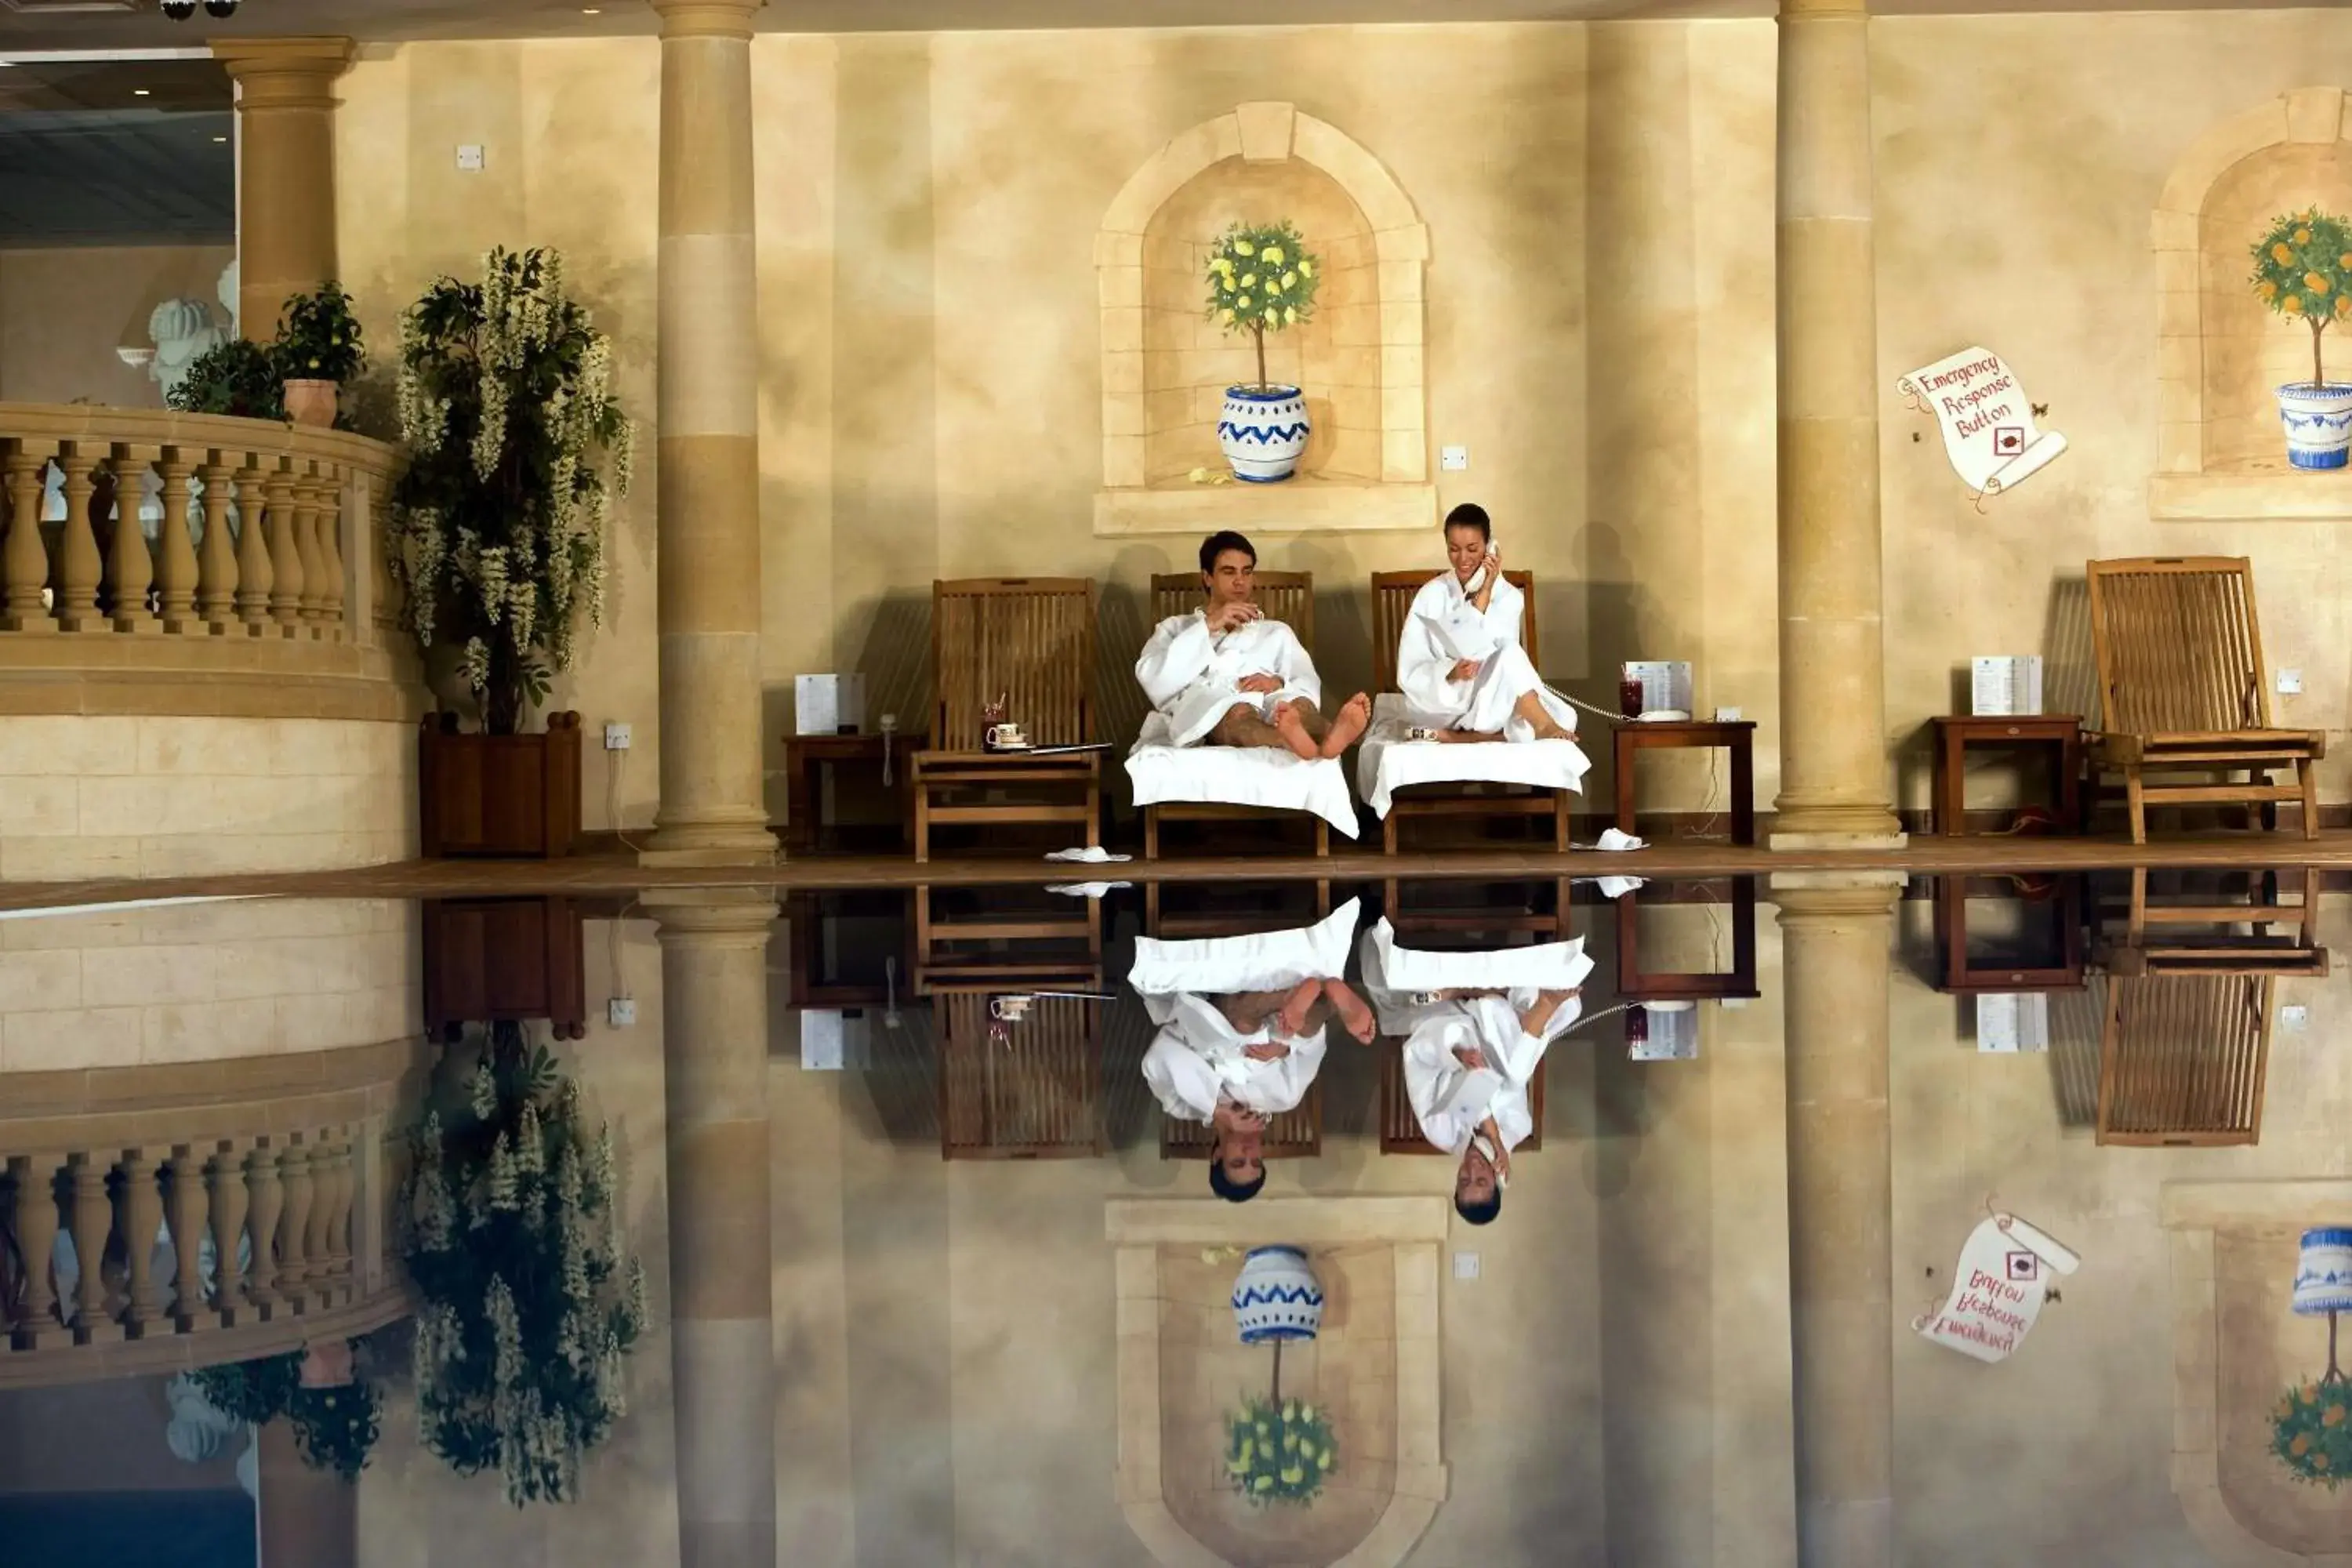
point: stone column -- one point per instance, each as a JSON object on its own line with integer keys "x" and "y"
{"x": 713, "y": 810}
{"x": 310, "y": 1518}
{"x": 286, "y": 177}
{"x": 715, "y": 1066}
{"x": 1835, "y": 944}
{"x": 1833, "y": 765}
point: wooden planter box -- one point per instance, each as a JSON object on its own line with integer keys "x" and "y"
{"x": 513, "y": 795}
{"x": 492, "y": 961}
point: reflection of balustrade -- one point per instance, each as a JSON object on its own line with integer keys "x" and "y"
{"x": 262, "y": 530}
{"x": 165, "y": 1235}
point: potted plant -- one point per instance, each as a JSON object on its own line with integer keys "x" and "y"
{"x": 2302, "y": 270}
{"x": 318, "y": 349}
{"x": 1261, "y": 279}
{"x": 527, "y": 1308}
{"x": 237, "y": 377}
{"x": 497, "y": 538}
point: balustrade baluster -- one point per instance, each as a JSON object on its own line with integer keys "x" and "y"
{"x": 328, "y": 491}
{"x": 339, "y": 1213}
{"x": 293, "y": 1250}
{"x": 39, "y": 1323}
{"x": 92, "y": 1221}
{"x": 230, "y": 1201}
{"x": 253, "y": 569}
{"x": 262, "y": 1193}
{"x": 130, "y": 569}
{"x": 320, "y": 1275}
{"x": 217, "y": 562}
{"x": 23, "y": 558}
{"x": 286, "y": 579}
{"x": 186, "y": 1211}
{"x": 78, "y": 564}
{"x": 175, "y": 570}
{"x": 306, "y": 545}
{"x": 141, "y": 1221}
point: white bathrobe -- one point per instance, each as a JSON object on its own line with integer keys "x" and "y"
{"x": 1193, "y": 677}
{"x": 1198, "y": 1058}
{"x": 1451, "y": 1100}
{"x": 1445, "y": 627}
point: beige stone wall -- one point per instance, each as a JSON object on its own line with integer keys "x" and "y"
{"x": 63, "y": 312}
{"x": 205, "y": 981}
{"x": 119, "y": 796}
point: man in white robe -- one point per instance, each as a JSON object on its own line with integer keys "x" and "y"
{"x": 1468, "y": 1075}
{"x": 1237, "y": 1062}
{"x": 1226, "y": 675}
{"x": 1460, "y": 664}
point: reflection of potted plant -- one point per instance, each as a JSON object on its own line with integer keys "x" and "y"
{"x": 515, "y": 447}
{"x": 1261, "y": 279}
{"x": 1277, "y": 1450}
{"x": 336, "y": 1417}
{"x": 2303, "y": 270}
{"x": 317, "y": 349}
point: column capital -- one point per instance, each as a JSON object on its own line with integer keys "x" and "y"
{"x": 1822, "y": 10}
{"x": 721, "y": 917}
{"x": 706, "y": 19}
{"x": 1828, "y": 898}
{"x": 284, "y": 73}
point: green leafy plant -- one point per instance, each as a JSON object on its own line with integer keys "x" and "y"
{"x": 497, "y": 524}
{"x": 335, "y": 1428}
{"x": 2302, "y": 270}
{"x": 2311, "y": 1432}
{"x": 1261, "y": 279}
{"x": 319, "y": 338}
{"x": 527, "y": 1308}
{"x": 237, "y": 377}
{"x": 1279, "y": 1451}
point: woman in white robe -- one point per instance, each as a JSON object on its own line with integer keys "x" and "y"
{"x": 1460, "y": 664}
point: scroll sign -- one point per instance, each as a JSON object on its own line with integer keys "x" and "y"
{"x": 1987, "y": 419}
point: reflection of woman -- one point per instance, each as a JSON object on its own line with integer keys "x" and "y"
{"x": 1459, "y": 662}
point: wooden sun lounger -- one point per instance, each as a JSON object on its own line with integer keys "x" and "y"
{"x": 2237, "y": 937}
{"x": 2183, "y": 1060}
{"x": 1401, "y": 1129}
{"x": 2183, "y": 688}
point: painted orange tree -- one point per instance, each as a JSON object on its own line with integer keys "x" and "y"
{"x": 2302, "y": 270}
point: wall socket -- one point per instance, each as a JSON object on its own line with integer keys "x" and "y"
{"x": 1453, "y": 460}
{"x": 470, "y": 157}
{"x": 616, "y": 737}
{"x": 2293, "y": 1017}
{"x": 1466, "y": 1266}
{"x": 621, "y": 1012}
{"x": 2290, "y": 682}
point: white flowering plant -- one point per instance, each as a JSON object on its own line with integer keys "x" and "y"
{"x": 517, "y": 448}
{"x": 1280, "y": 1451}
{"x": 1261, "y": 279}
{"x": 528, "y": 1307}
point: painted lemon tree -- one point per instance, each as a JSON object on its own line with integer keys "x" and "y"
{"x": 1261, "y": 279}
{"x": 2302, "y": 270}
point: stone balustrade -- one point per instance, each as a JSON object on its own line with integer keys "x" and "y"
{"x": 202, "y": 1221}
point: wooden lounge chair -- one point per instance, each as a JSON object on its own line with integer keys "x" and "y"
{"x": 1296, "y": 1134}
{"x": 2214, "y": 934}
{"x": 1034, "y": 1093}
{"x": 1392, "y": 596}
{"x": 2183, "y": 688}
{"x": 1401, "y": 1129}
{"x": 1031, "y": 641}
{"x": 2182, "y": 1059}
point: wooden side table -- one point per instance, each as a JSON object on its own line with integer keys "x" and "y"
{"x": 2060, "y": 733}
{"x": 1737, "y": 736}
{"x": 2048, "y": 960}
{"x": 807, "y": 756}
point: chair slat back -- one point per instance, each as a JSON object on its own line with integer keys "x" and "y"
{"x": 1401, "y": 1131}
{"x": 1030, "y": 640}
{"x": 1036, "y": 1095}
{"x": 1296, "y": 1134}
{"x": 1285, "y": 596}
{"x": 1392, "y": 596}
{"x": 2182, "y": 1059}
{"x": 2178, "y": 648}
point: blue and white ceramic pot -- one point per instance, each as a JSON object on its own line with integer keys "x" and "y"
{"x": 1276, "y": 1297}
{"x": 2319, "y": 421}
{"x": 2323, "y": 1274}
{"x": 1262, "y": 432}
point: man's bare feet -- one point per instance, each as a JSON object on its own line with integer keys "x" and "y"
{"x": 1297, "y": 1006}
{"x": 1355, "y": 1015}
{"x": 1349, "y": 725}
{"x": 1294, "y": 731}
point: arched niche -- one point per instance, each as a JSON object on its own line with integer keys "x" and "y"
{"x": 1361, "y": 363}
{"x": 2219, "y": 351}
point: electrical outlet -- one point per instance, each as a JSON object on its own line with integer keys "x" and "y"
{"x": 2293, "y": 1017}
{"x": 470, "y": 157}
{"x": 2290, "y": 682}
{"x": 1466, "y": 1266}
{"x": 621, "y": 1012}
{"x": 1726, "y": 715}
{"x": 616, "y": 737}
{"x": 1453, "y": 460}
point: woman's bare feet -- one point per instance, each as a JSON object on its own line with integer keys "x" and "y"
{"x": 1350, "y": 724}
{"x": 1294, "y": 733}
{"x": 1355, "y": 1015}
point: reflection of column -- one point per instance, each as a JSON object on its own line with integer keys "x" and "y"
{"x": 310, "y": 1517}
{"x": 715, "y": 1066}
{"x": 286, "y": 173}
{"x": 1833, "y": 770}
{"x": 1834, "y": 962}
{"x": 713, "y": 809}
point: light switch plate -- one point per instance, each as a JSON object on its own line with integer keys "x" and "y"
{"x": 470, "y": 155}
{"x": 2290, "y": 682}
{"x": 621, "y": 1012}
{"x": 2294, "y": 1017}
{"x": 1466, "y": 1266}
{"x": 1453, "y": 459}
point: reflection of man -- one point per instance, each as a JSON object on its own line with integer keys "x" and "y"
{"x": 1237, "y": 1061}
